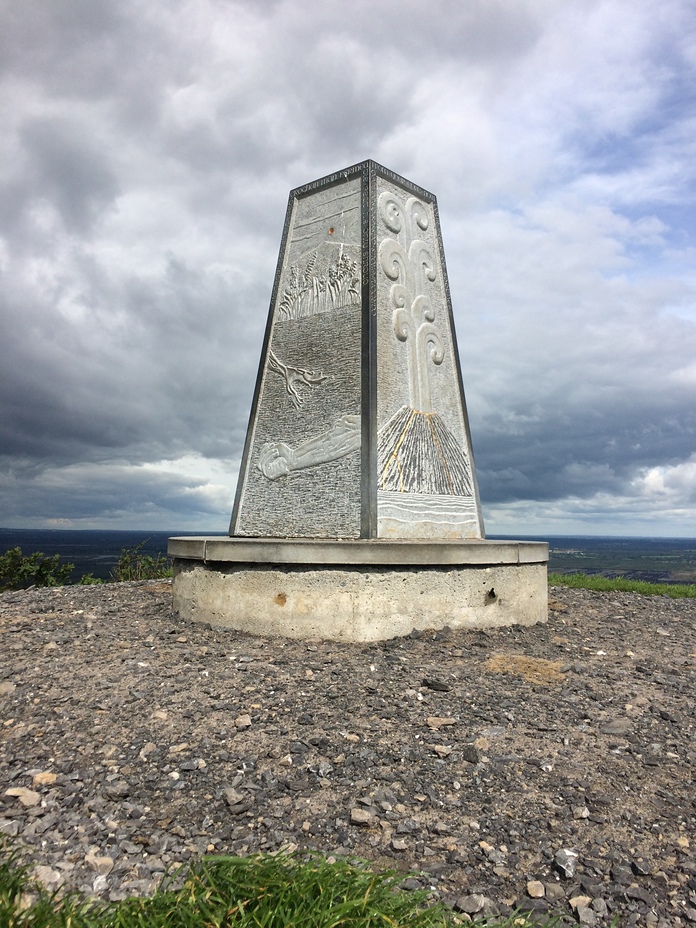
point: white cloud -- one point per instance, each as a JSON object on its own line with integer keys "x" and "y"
{"x": 672, "y": 485}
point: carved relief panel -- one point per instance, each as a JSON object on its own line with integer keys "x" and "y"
{"x": 425, "y": 482}
{"x": 302, "y": 475}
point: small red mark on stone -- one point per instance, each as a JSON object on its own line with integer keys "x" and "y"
{"x": 331, "y": 231}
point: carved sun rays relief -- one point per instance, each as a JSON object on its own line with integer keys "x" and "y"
{"x": 358, "y": 427}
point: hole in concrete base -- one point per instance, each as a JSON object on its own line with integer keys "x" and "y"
{"x": 491, "y": 595}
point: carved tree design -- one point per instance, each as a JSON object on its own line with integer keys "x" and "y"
{"x": 297, "y": 379}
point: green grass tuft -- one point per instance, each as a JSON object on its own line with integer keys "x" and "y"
{"x": 581, "y": 581}
{"x": 262, "y": 891}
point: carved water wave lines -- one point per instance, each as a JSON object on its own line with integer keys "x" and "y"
{"x": 445, "y": 510}
{"x": 418, "y": 454}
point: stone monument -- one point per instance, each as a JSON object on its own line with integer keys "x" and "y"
{"x": 357, "y": 514}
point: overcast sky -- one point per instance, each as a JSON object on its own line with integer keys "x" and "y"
{"x": 147, "y": 151}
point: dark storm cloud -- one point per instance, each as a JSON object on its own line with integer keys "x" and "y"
{"x": 86, "y": 496}
{"x": 598, "y": 450}
{"x": 150, "y": 385}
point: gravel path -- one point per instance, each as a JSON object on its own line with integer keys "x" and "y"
{"x": 550, "y": 767}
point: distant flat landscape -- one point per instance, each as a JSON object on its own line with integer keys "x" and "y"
{"x": 656, "y": 560}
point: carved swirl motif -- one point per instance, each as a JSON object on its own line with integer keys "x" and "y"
{"x": 397, "y": 215}
{"x": 411, "y": 272}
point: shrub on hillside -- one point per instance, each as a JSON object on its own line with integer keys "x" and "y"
{"x": 133, "y": 564}
{"x": 17, "y": 571}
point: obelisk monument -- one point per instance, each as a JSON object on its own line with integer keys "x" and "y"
{"x": 357, "y": 482}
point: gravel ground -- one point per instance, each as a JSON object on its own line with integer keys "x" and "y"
{"x": 549, "y": 767}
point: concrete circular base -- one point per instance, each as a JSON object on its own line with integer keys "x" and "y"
{"x": 367, "y": 590}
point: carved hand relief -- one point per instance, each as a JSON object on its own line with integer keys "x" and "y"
{"x": 417, "y": 453}
{"x": 278, "y": 459}
{"x": 296, "y": 379}
{"x": 308, "y": 293}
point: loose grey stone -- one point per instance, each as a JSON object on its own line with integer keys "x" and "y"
{"x": 470, "y": 753}
{"x": 361, "y": 817}
{"x": 9, "y": 827}
{"x": 471, "y": 905}
{"x": 533, "y": 904}
{"x": 433, "y": 683}
{"x": 620, "y": 726}
{"x": 622, "y": 875}
{"x": 586, "y": 916}
{"x": 637, "y": 892}
{"x": 119, "y": 789}
{"x": 566, "y": 861}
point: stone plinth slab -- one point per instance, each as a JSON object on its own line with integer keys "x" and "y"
{"x": 358, "y": 590}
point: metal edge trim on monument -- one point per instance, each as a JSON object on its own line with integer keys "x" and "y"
{"x": 329, "y": 180}
{"x": 368, "y": 399}
{"x": 458, "y": 366}
{"x": 404, "y": 182}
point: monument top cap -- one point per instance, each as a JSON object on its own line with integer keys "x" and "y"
{"x": 363, "y": 168}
